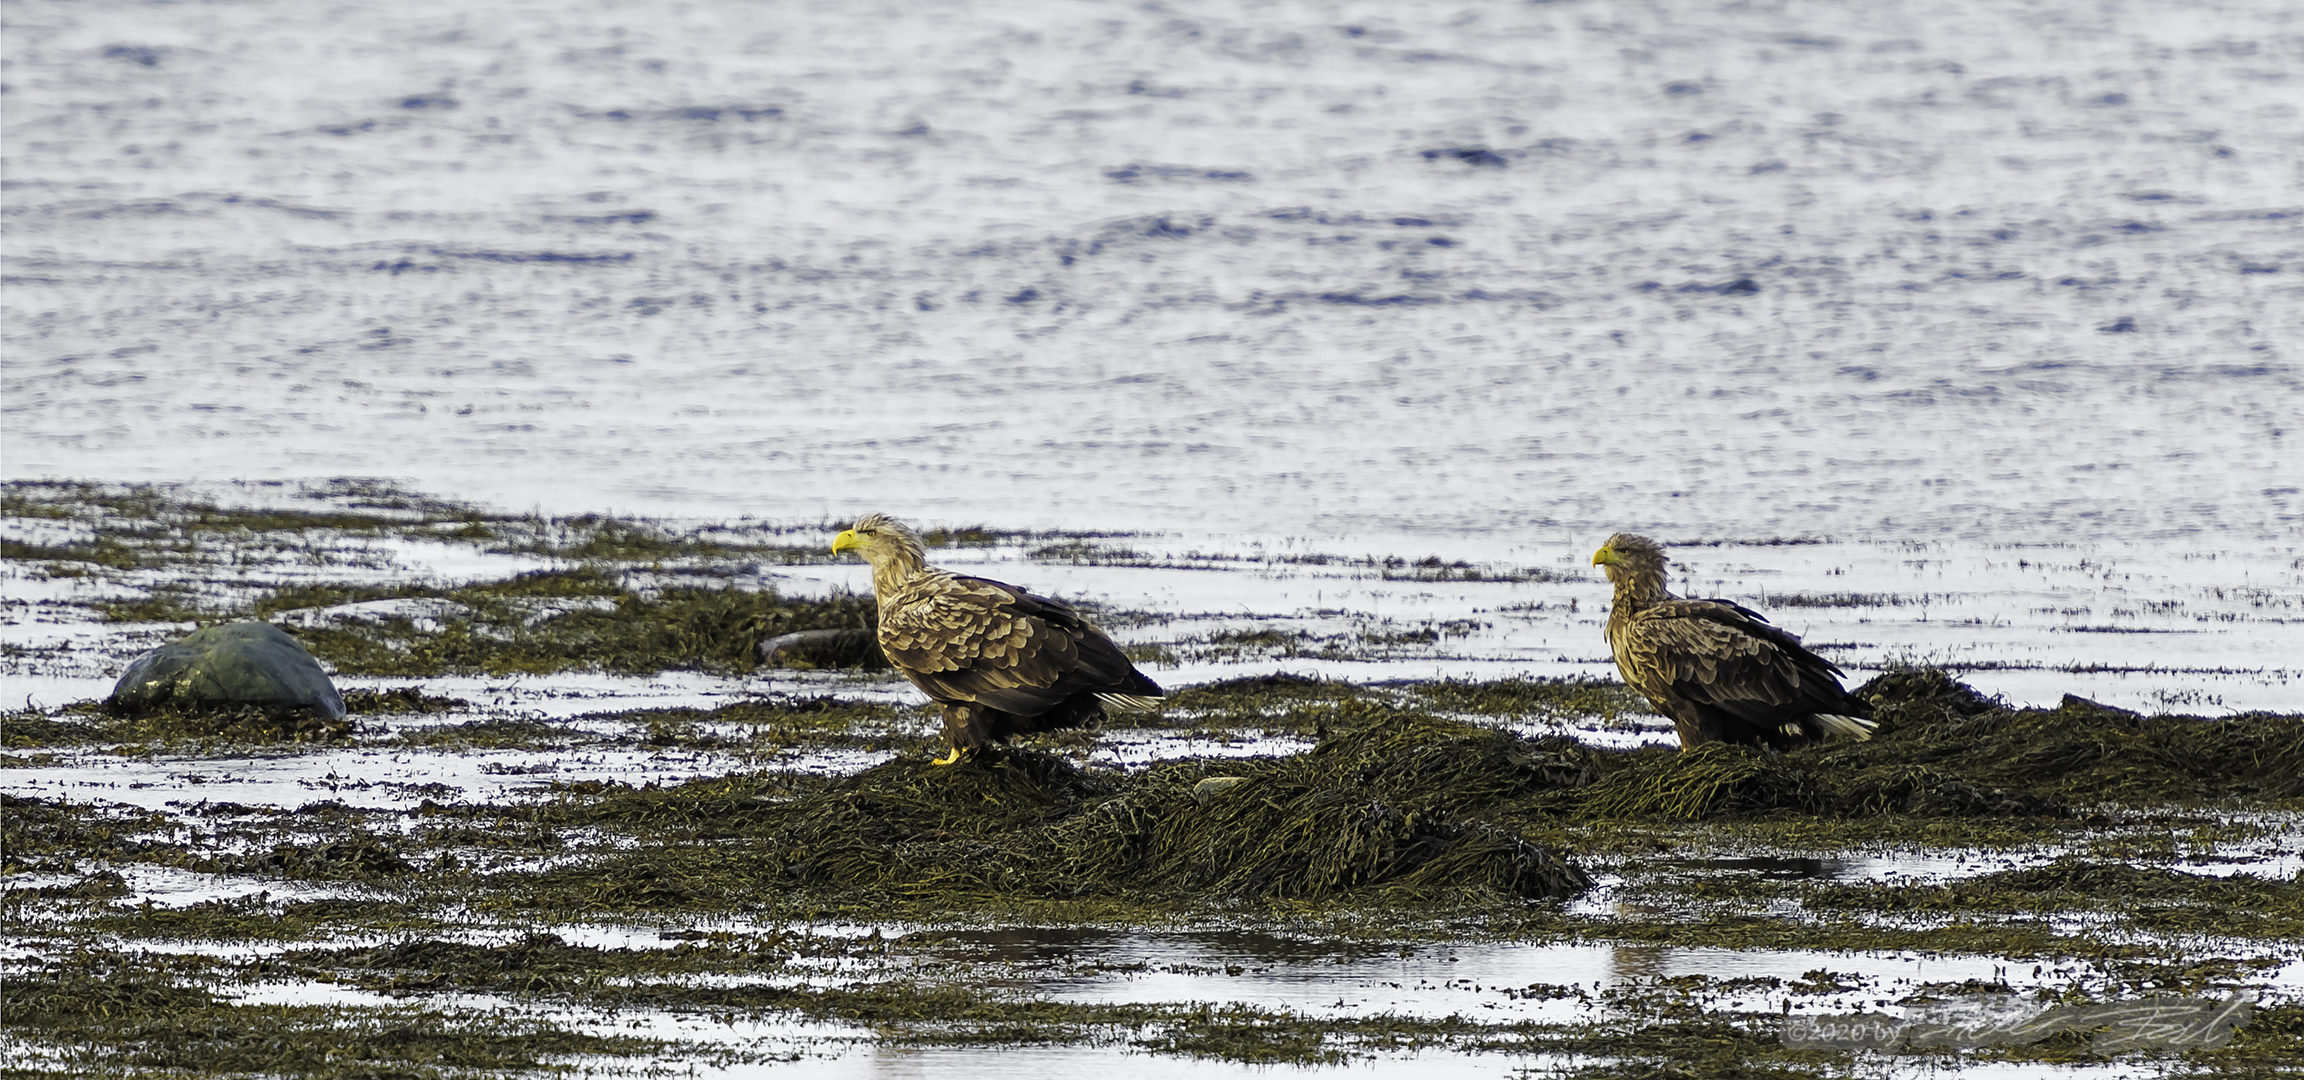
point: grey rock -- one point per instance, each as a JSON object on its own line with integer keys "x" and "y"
{"x": 823, "y": 649}
{"x": 243, "y": 663}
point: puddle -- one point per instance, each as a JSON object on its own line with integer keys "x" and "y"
{"x": 1130, "y": 748}
{"x": 1488, "y": 984}
{"x": 171, "y": 887}
{"x": 1774, "y": 868}
{"x": 1490, "y": 980}
{"x": 2003, "y": 618}
{"x": 365, "y": 779}
{"x": 1070, "y": 1063}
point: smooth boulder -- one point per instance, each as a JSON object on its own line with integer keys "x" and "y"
{"x": 243, "y": 663}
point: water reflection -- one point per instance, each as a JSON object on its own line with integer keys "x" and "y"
{"x": 1770, "y": 867}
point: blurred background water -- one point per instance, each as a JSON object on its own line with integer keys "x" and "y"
{"x": 1998, "y": 272}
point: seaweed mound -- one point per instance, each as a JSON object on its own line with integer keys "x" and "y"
{"x": 1383, "y": 808}
{"x": 2078, "y": 752}
{"x": 1944, "y": 750}
{"x": 1705, "y": 781}
{"x": 1395, "y": 806}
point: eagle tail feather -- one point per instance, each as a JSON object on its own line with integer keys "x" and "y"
{"x": 1845, "y": 727}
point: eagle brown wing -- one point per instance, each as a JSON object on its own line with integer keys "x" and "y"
{"x": 966, "y": 639}
{"x": 1728, "y": 658}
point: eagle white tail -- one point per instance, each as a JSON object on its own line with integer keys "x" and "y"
{"x": 1129, "y": 702}
{"x": 1845, "y": 727}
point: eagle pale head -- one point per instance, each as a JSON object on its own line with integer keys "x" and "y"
{"x": 1628, "y": 554}
{"x": 878, "y": 537}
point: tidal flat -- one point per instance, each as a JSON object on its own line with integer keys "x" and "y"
{"x": 1397, "y": 809}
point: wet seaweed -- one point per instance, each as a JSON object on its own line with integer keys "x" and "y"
{"x": 400, "y": 700}
{"x": 69, "y": 995}
{"x": 1259, "y": 694}
{"x": 171, "y": 722}
{"x": 1404, "y": 823}
{"x": 2077, "y": 753}
{"x": 353, "y": 858}
{"x": 102, "y": 551}
{"x": 778, "y": 723}
{"x": 1606, "y": 699}
{"x": 1705, "y": 781}
{"x": 492, "y": 733}
{"x": 31, "y": 729}
{"x": 1383, "y": 810}
{"x": 55, "y": 833}
{"x": 498, "y": 627}
{"x": 415, "y": 1044}
{"x": 1944, "y": 751}
{"x": 140, "y": 526}
{"x": 2151, "y": 898}
{"x": 257, "y": 917}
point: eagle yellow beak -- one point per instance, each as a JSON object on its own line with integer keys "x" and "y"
{"x": 845, "y": 541}
{"x": 1602, "y": 557}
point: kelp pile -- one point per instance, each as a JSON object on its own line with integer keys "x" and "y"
{"x": 583, "y": 619}
{"x": 1943, "y": 750}
{"x": 1364, "y": 812}
{"x": 1383, "y": 813}
{"x": 1394, "y": 806}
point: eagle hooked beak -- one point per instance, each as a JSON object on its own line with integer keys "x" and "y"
{"x": 1602, "y": 557}
{"x": 846, "y": 541}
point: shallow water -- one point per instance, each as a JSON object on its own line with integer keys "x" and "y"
{"x": 2128, "y": 624}
{"x": 1556, "y": 983}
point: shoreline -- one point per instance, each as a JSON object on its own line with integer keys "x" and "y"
{"x": 554, "y": 832}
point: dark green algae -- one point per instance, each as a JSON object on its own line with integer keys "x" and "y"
{"x": 634, "y": 630}
{"x": 110, "y": 1014}
{"x": 1411, "y": 820}
{"x": 1399, "y": 824}
{"x": 1371, "y": 814}
{"x": 658, "y": 598}
{"x": 136, "y": 1017}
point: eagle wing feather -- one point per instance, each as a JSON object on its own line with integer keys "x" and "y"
{"x": 963, "y": 639}
{"x": 1724, "y": 655}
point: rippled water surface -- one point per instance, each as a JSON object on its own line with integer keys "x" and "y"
{"x": 2005, "y": 271}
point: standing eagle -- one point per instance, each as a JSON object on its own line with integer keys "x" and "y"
{"x": 1717, "y": 668}
{"x": 998, "y": 660}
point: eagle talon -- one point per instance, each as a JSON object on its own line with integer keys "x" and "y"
{"x": 949, "y": 757}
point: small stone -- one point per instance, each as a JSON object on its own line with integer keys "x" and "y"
{"x": 1213, "y": 786}
{"x": 243, "y": 663}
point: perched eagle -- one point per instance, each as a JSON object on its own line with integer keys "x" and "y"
{"x": 998, "y": 660}
{"x": 1715, "y": 667}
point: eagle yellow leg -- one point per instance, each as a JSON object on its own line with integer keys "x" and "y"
{"x": 949, "y": 757}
